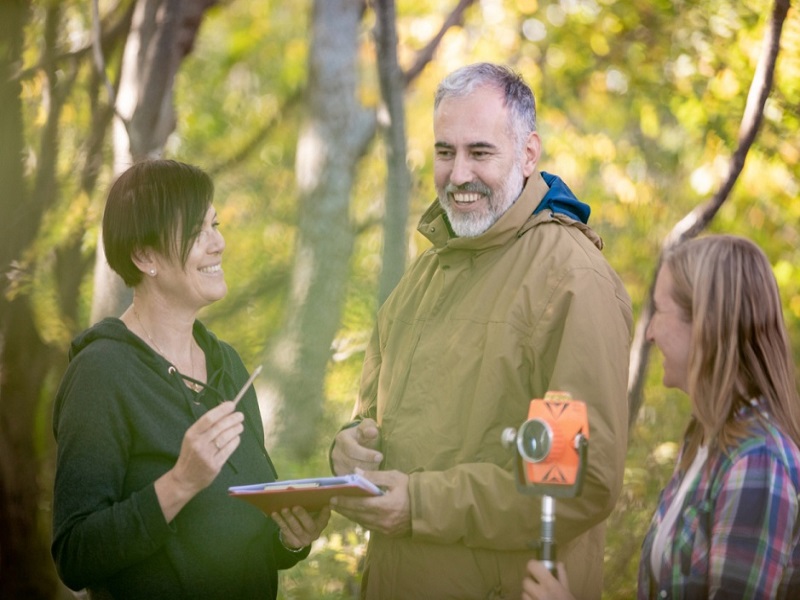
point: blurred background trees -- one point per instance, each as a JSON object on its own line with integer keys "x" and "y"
{"x": 314, "y": 118}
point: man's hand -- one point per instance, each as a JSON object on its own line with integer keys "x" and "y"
{"x": 357, "y": 448}
{"x": 389, "y": 514}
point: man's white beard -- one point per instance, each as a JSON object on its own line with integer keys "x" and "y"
{"x": 475, "y": 223}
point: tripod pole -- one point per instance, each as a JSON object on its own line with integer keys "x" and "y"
{"x": 547, "y": 539}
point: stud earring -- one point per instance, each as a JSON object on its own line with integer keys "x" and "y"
{"x": 152, "y": 272}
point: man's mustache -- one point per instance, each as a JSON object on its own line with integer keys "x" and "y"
{"x": 469, "y": 187}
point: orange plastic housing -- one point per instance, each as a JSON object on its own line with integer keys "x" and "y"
{"x": 567, "y": 419}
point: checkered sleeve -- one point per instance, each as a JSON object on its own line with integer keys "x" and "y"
{"x": 753, "y": 528}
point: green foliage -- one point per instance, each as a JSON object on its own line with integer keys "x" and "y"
{"x": 641, "y": 122}
{"x": 639, "y": 108}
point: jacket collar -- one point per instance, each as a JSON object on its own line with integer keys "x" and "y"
{"x": 545, "y": 197}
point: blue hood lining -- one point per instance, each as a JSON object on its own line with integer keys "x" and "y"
{"x": 560, "y": 199}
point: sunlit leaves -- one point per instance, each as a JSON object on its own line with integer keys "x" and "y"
{"x": 639, "y": 109}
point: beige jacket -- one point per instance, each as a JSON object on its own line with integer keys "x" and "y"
{"x": 476, "y": 329}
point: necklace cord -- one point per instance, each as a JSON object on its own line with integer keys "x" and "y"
{"x": 189, "y": 380}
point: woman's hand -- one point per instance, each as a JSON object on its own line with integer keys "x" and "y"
{"x": 206, "y": 446}
{"x": 541, "y": 585}
{"x": 299, "y": 527}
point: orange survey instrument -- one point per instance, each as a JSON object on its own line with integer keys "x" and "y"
{"x": 552, "y": 444}
{"x": 551, "y": 453}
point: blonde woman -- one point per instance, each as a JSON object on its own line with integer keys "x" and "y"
{"x": 727, "y": 522}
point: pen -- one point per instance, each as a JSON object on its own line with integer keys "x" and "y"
{"x": 247, "y": 384}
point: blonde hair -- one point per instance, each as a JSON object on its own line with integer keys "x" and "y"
{"x": 740, "y": 348}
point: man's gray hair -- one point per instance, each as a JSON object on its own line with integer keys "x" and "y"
{"x": 517, "y": 94}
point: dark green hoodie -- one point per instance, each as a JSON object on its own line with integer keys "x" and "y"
{"x": 120, "y": 416}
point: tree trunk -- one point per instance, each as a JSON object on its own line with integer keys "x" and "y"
{"x": 393, "y": 83}
{"x": 162, "y": 34}
{"x": 13, "y": 16}
{"x": 398, "y": 185}
{"x": 697, "y": 220}
{"x": 332, "y": 140}
{"x": 25, "y": 567}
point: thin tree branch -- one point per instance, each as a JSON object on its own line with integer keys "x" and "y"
{"x": 97, "y": 52}
{"x": 398, "y": 182}
{"x": 259, "y": 136}
{"x": 425, "y": 55}
{"x": 699, "y": 218}
{"x": 114, "y": 29}
{"x": 760, "y": 88}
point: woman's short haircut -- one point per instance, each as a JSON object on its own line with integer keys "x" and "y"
{"x": 155, "y": 204}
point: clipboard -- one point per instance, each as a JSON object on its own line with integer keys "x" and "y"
{"x": 312, "y": 494}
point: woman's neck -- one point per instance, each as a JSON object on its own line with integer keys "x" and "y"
{"x": 169, "y": 333}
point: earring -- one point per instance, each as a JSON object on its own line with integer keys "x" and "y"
{"x": 152, "y": 272}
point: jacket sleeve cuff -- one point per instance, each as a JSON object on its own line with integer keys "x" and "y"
{"x": 286, "y": 558}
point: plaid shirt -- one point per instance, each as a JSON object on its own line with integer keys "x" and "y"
{"x": 738, "y": 533}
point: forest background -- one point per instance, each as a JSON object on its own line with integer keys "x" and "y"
{"x": 315, "y": 120}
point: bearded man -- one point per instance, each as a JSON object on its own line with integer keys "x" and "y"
{"x": 513, "y": 299}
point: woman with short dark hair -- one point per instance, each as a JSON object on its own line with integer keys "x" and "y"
{"x": 148, "y": 439}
